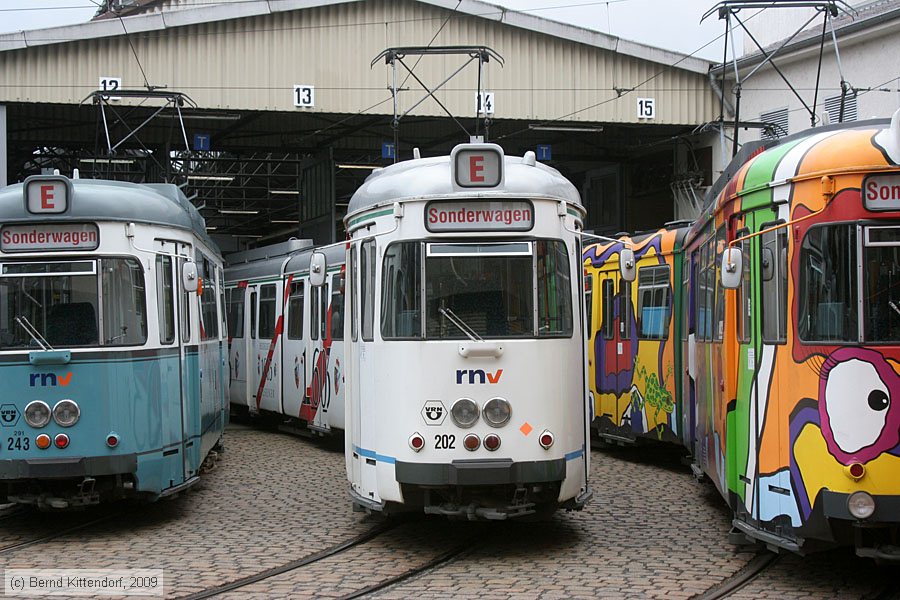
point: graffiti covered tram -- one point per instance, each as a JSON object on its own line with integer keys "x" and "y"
{"x": 111, "y": 342}
{"x": 465, "y": 351}
{"x": 285, "y": 339}
{"x": 787, "y": 321}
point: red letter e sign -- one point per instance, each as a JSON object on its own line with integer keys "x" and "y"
{"x": 477, "y": 165}
{"x": 46, "y": 195}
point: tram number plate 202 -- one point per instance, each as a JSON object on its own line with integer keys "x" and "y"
{"x": 18, "y": 443}
{"x": 444, "y": 441}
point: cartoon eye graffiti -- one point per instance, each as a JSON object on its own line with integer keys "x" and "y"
{"x": 856, "y": 400}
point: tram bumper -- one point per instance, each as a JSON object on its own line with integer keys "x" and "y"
{"x": 480, "y": 472}
{"x": 60, "y": 468}
{"x": 876, "y": 536}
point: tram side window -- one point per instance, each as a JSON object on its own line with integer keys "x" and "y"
{"x": 743, "y": 303}
{"x": 828, "y": 280}
{"x": 124, "y": 302}
{"x": 881, "y": 288}
{"x": 209, "y": 318}
{"x": 774, "y": 286}
{"x": 165, "y": 299}
{"x": 588, "y": 307}
{"x": 354, "y": 323}
{"x": 718, "y": 249}
{"x": 234, "y": 300}
{"x": 653, "y": 302}
{"x": 267, "y": 296}
{"x": 608, "y": 326}
{"x": 685, "y": 298}
{"x": 702, "y": 296}
{"x": 367, "y": 278}
{"x": 295, "y": 311}
{"x": 184, "y": 308}
{"x": 253, "y": 311}
{"x": 401, "y": 296}
{"x": 337, "y": 307}
{"x": 323, "y": 312}
{"x": 314, "y": 312}
{"x": 554, "y": 289}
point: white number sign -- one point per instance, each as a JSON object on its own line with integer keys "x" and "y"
{"x": 485, "y": 103}
{"x": 646, "y": 108}
{"x": 111, "y": 84}
{"x": 304, "y": 96}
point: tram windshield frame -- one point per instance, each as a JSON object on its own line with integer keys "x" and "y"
{"x": 70, "y": 303}
{"x": 511, "y": 289}
{"x": 849, "y": 289}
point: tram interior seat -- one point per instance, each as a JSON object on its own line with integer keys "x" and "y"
{"x": 73, "y": 324}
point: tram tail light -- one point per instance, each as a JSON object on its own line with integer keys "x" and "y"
{"x": 471, "y": 442}
{"x": 492, "y": 441}
{"x": 416, "y": 441}
{"x": 855, "y": 471}
{"x": 61, "y": 440}
{"x": 42, "y": 441}
{"x": 546, "y": 440}
{"x": 112, "y": 440}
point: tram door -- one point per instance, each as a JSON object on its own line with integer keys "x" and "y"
{"x": 613, "y": 350}
{"x": 189, "y": 336}
{"x": 254, "y": 360}
{"x": 237, "y": 345}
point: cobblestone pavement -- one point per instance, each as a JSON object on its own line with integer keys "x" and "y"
{"x": 651, "y": 531}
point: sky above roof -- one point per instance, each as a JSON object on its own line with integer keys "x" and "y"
{"x": 662, "y": 23}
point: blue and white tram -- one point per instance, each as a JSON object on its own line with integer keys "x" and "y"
{"x": 112, "y": 364}
{"x": 465, "y": 356}
{"x": 286, "y": 337}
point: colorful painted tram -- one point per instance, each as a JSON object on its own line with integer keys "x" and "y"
{"x": 783, "y": 311}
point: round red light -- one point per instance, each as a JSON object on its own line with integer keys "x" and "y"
{"x": 492, "y": 441}
{"x": 42, "y": 441}
{"x": 857, "y": 470}
{"x": 471, "y": 442}
{"x": 417, "y": 441}
{"x": 61, "y": 440}
{"x": 112, "y": 441}
{"x": 546, "y": 440}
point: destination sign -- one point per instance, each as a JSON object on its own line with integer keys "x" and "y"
{"x": 46, "y": 195}
{"x": 504, "y": 215}
{"x": 882, "y": 192}
{"x": 55, "y": 237}
{"x": 477, "y": 165}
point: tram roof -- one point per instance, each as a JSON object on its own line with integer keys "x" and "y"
{"x": 432, "y": 178}
{"x": 274, "y": 261}
{"x": 102, "y": 200}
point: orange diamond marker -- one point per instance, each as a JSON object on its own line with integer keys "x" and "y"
{"x": 526, "y": 428}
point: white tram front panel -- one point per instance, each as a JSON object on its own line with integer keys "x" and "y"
{"x": 463, "y": 293}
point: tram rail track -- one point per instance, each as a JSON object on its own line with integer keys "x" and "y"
{"x": 332, "y": 551}
{"x": 56, "y": 534}
{"x": 743, "y": 576}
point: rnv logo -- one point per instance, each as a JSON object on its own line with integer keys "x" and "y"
{"x": 471, "y": 375}
{"x": 50, "y": 379}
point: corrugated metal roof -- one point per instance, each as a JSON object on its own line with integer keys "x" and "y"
{"x": 249, "y": 55}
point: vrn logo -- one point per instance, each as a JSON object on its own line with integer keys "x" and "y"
{"x": 471, "y": 375}
{"x": 50, "y": 379}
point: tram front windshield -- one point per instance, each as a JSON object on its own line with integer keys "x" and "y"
{"x": 476, "y": 290}
{"x": 60, "y": 304}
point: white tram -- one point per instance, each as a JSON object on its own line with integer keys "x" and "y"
{"x": 285, "y": 338}
{"x": 465, "y": 353}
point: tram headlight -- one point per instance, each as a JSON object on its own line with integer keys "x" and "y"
{"x": 497, "y": 412}
{"x": 66, "y": 413}
{"x": 37, "y": 414}
{"x": 464, "y": 412}
{"x": 861, "y": 505}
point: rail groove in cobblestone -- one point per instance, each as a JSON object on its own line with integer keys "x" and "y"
{"x": 56, "y": 534}
{"x": 296, "y": 564}
{"x": 742, "y": 577}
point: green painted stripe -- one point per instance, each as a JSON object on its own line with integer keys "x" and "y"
{"x": 757, "y": 191}
{"x": 370, "y": 215}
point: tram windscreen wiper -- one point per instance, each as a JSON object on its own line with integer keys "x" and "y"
{"x": 460, "y": 324}
{"x": 31, "y": 330}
